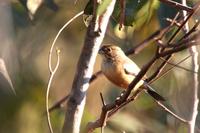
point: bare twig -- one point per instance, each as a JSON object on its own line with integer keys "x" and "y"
{"x": 95, "y": 76}
{"x": 62, "y": 100}
{"x": 168, "y": 70}
{"x": 177, "y": 5}
{"x": 122, "y": 13}
{"x": 176, "y": 23}
{"x": 156, "y": 36}
{"x": 179, "y": 29}
{"x": 159, "y": 69}
{"x": 102, "y": 99}
{"x": 163, "y": 64}
{"x": 58, "y": 104}
{"x": 193, "y": 30}
{"x": 104, "y": 121}
{"x": 177, "y": 66}
{"x": 170, "y": 112}
{"x": 153, "y": 37}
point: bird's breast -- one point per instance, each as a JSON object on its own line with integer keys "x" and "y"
{"x": 116, "y": 74}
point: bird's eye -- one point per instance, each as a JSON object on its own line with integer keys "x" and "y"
{"x": 109, "y": 50}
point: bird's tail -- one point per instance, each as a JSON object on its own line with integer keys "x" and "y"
{"x": 153, "y": 93}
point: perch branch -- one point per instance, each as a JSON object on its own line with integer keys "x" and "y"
{"x": 186, "y": 43}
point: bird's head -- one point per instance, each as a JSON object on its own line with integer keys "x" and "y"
{"x": 110, "y": 51}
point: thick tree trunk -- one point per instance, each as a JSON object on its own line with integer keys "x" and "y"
{"x": 93, "y": 40}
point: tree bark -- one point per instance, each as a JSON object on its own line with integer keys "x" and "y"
{"x": 93, "y": 40}
{"x": 194, "y": 82}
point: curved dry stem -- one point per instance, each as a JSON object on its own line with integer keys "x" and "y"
{"x": 53, "y": 71}
{"x": 58, "y": 34}
{"x": 48, "y": 89}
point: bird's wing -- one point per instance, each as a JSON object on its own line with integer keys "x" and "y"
{"x": 131, "y": 68}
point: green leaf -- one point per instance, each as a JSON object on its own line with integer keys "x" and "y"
{"x": 136, "y": 12}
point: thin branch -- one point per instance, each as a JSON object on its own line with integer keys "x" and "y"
{"x": 177, "y": 5}
{"x": 176, "y": 23}
{"x": 177, "y": 66}
{"x": 193, "y": 30}
{"x": 156, "y": 36}
{"x": 159, "y": 69}
{"x": 122, "y": 13}
{"x": 58, "y": 104}
{"x": 196, "y": 8}
{"x": 179, "y": 29}
{"x": 153, "y": 37}
{"x": 161, "y": 49}
{"x": 168, "y": 70}
{"x": 170, "y": 112}
{"x": 62, "y": 100}
{"x": 132, "y": 98}
{"x": 104, "y": 120}
{"x": 102, "y": 99}
{"x": 187, "y": 43}
{"x": 95, "y": 76}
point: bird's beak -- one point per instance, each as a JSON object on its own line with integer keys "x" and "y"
{"x": 100, "y": 51}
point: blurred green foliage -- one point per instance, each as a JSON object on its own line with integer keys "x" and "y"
{"x": 31, "y": 39}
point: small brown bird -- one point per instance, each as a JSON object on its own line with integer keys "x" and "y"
{"x": 121, "y": 70}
